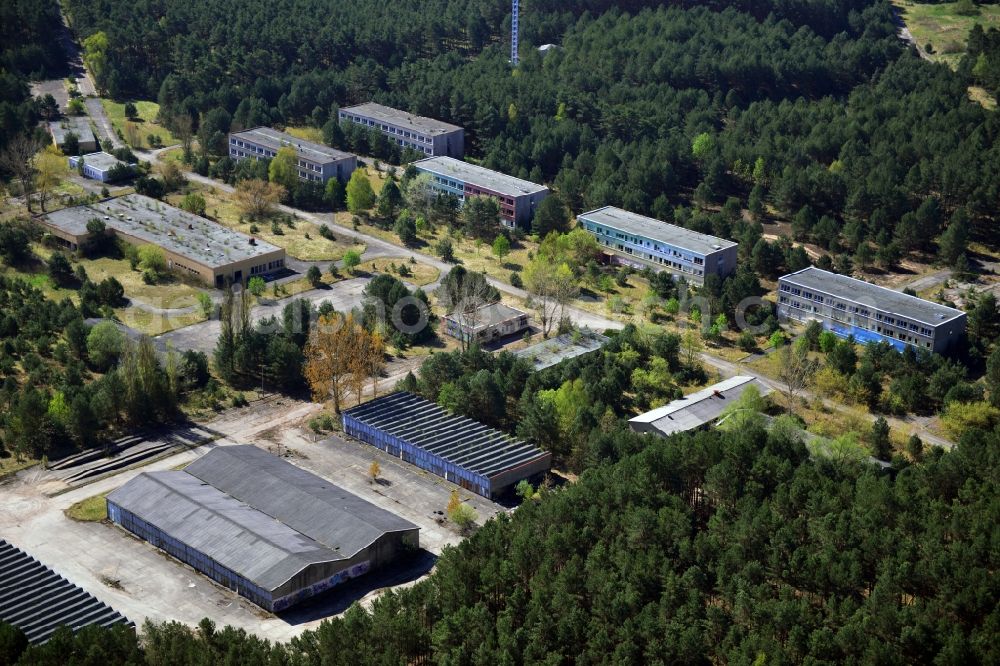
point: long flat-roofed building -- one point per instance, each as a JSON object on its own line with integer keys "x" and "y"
{"x": 463, "y": 451}
{"x": 697, "y": 410}
{"x": 77, "y": 125}
{"x": 518, "y": 198}
{"x": 316, "y": 162}
{"x": 870, "y": 313}
{"x": 639, "y": 241}
{"x": 272, "y": 532}
{"x": 37, "y": 600}
{"x": 425, "y": 135}
{"x": 192, "y": 244}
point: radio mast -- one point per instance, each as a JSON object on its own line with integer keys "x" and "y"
{"x": 514, "y": 11}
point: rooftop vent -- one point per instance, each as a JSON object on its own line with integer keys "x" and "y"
{"x": 716, "y": 247}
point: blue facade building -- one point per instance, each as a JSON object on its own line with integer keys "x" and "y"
{"x": 465, "y": 452}
{"x": 854, "y": 308}
{"x": 102, "y": 166}
{"x": 643, "y": 242}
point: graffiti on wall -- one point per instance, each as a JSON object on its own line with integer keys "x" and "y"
{"x": 321, "y": 586}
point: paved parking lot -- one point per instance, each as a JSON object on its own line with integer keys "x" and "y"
{"x": 141, "y": 582}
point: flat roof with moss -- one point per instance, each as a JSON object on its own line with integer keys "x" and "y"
{"x": 173, "y": 229}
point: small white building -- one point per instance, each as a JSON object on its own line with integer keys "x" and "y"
{"x": 98, "y": 165}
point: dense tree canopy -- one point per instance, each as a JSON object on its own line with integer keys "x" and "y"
{"x": 713, "y": 548}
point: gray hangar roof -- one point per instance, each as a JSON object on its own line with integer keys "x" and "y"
{"x": 697, "y": 409}
{"x": 256, "y": 514}
{"x": 456, "y": 439}
{"x": 37, "y": 600}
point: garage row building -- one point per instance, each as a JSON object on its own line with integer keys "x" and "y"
{"x": 474, "y": 456}
{"x": 191, "y": 244}
{"x": 266, "y": 529}
{"x": 316, "y": 163}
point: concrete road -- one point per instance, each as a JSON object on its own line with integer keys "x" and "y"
{"x": 929, "y": 281}
{"x": 343, "y": 295}
{"x": 100, "y": 119}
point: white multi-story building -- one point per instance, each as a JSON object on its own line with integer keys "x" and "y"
{"x": 639, "y": 241}
{"x": 425, "y": 135}
{"x": 870, "y": 313}
{"x": 316, "y": 162}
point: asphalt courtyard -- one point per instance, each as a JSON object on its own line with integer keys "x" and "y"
{"x": 144, "y": 583}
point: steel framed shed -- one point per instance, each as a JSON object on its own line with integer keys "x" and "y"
{"x": 38, "y": 600}
{"x": 266, "y": 529}
{"x": 463, "y": 451}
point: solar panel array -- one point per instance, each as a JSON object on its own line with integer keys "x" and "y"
{"x": 455, "y": 439}
{"x": 37, "y": 600}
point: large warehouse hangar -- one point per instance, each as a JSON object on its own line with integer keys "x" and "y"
{"x": 262, "y": 527}
{"x": 463, "y": 451}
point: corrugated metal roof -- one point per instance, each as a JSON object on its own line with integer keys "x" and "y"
{"x": 456, "y": 439}
{"x": 37, "y": 600}
{"x": 238, "y": 537}
{"x": 305, "y": 502}
{"x": 699, "y": 408}
{"x": 256, "y": 514}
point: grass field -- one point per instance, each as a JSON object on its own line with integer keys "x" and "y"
{"x": 146, "y": 121}
{"x": 945, "y": 30}
{"x": 93, "y": 509}
{"x": 172, "y": 294}
{"x": 302, "y": 242}
{"x": 422, "y": 274}
{"x": 308, "y": 133}
{"x": 10, "y": 464}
